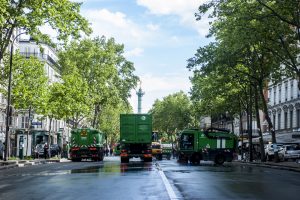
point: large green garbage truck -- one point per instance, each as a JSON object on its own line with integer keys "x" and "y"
{"x": 218, "y": 145}
{"x": 87, "y": 143}
{"x": 135, "y": 137}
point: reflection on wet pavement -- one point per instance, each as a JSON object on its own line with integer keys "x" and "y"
{"x": 116, "y": 167}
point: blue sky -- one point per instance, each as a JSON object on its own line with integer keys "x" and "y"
{"x": 159, "y": 36}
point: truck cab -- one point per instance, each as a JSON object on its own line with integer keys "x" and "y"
{"x": 156, "y": 150}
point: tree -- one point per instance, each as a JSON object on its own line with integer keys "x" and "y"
{"x": 109, "y": 120}
{"x": 69, "y": 99}
{"x": 172, "y": 114}
{"x": 101, "y": 64}
{"x": 286, "y": 23}
{"x": 30, "y": 84}
{"x": 28, "y": 16}
{"x": 243, "y": 48}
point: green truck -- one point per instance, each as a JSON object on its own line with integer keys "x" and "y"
{"x": 218, "y": 145}
{"x": 166, "y": 150}
{"x": 135, "y": 137}
{"x": 87, "y": 143}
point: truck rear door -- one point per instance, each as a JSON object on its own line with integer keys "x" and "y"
{"x": 143, "y": 128}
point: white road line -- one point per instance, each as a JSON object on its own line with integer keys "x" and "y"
{"x": 167, "y": 184}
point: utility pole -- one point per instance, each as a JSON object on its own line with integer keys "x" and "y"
{"x": 9, "y": 108}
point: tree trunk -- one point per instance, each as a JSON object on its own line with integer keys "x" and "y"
{"x": 49, "y": 138}
{"x": 241, "y": 135}
{"x": 29, "y": 124}
{"x": 250, "y": 125}
{"x": 95, "y": 115}
{"x": 261, "y": 141}
{"x": 265, "y": 109}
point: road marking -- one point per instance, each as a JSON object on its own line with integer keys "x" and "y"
{"x": 167, "y": 184}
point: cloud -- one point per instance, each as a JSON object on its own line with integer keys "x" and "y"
{"x": 118, "y": 26}
{"x": 160, "y": 86}
{"x": 152, "y": 27}
{"x": 134, "y": 52}
{"x": 184, "y": 9}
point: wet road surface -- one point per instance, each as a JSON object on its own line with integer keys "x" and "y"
{"x": 137, "y": 180}
{"x": 208, "y": 181}
{"x": 83, "y": 180}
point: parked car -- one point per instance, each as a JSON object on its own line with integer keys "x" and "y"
{"x": 289, "y": 152}
{"x": 55, "y": 150}
{"x": 39, "y": 151}
{"x": 270, "y": 149}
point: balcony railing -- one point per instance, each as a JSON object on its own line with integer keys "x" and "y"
{"x": 41, "y": 56}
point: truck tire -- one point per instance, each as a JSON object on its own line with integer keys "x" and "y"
{"x": 219, "y": 159}
{"x": 147, "y": 159}
{"x": 159, "y": 157}
{"x": 169, "y": 157}
{"x": 124, "y": 160}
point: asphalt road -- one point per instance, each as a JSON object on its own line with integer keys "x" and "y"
{"x": 138, "y": 180}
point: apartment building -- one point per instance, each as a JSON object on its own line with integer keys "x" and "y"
{"x": 39, "y": 130}
{"x": 284, "y": 109}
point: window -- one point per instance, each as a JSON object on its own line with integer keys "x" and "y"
{"x": 25, "y": 122}
{"x": 286, "y": 91}
{"x": 279, "y": 120}
{"x": 274, "y": 95}
{"x": 274, "y": 119}
{"x": 291, "y": 119}
{"x": 187, "y": 141}
{"x": 279, "y": 94}
{"x": 298, "y": 118}
{"x": 285, "y": 120}
{"x": 292, "y": 89}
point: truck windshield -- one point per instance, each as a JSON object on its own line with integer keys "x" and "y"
{"x": 187, "y": 142}
{"x": 156, "y": 146}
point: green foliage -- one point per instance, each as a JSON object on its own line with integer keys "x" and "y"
{"x": 100, "y": 63}
{"x": 109, "y": 121}
{"x": 62, "y": 15}
{"x": 172, "y": 114}
{"x": 69, "y": 99}
{"x": 29, "y": 82}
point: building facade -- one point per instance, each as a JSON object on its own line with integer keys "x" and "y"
{"x": 30, "y": 127}
{"x": 27, "y": 127}
{"x": 284, "y": 109}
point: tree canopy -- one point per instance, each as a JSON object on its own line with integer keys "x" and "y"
{"x": 173, "y": 113}
{"x": 100, "y": 63}
{"x": 28, "y": 16}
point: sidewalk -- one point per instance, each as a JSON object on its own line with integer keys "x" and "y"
{"x": 22, "y": 163}
{"x": 286, "y": 165}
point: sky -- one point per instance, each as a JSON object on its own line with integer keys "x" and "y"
{"x": 158, "y": 35}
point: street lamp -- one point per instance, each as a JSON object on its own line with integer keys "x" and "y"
{"x": 8, "y": 108}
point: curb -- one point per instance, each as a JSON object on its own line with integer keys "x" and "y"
{"x": 269, "y": 165}
{"x": 24, "y": 163}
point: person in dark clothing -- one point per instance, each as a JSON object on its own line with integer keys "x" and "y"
{"x": 45, "y": 150}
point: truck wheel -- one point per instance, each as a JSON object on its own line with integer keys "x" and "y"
{"x": 147, "y": 159}
{"x": 124, "y": 160}
{"x": 168, "y": 156}
{"x": 219, "y": 159}
{"x": 160, "y": 157}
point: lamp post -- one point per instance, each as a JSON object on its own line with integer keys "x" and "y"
{"x": 8, "y": 108}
